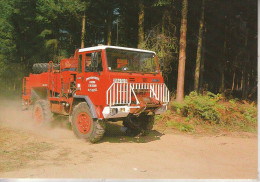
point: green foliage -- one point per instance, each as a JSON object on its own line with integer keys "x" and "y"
{"x": 250, "y": 113}
{"x": 45, "y": 32}
{"x": 36, "y": 31}
{"x": 163, "y": 39}
{"x": 52, "y": 42}
{"x": 163, "y": 3}
{"x": 213, "y": 109}
{"x": 200, "y": 106}
{"x": 157, "y": 117}
{"x": 233, "y": 101}
{"x": 164, "y": 46}
{"x": 185, "y": 127}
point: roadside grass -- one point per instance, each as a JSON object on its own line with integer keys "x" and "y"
{"x": 209, "y": 113}
{"x": 18, "y": 149}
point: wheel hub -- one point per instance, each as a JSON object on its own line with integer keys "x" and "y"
{"x": 83, "y": 122}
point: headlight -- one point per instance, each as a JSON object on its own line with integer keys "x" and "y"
{"x": 113, "y": 111}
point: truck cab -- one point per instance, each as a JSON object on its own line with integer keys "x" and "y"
{"x": 121, "y": 81}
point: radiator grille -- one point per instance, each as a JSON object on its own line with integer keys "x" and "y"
{"x": 123, "y": 93}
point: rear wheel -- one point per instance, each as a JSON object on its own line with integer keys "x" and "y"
{"x": 42, "y": 114}
{"x": 83, "y": 124}
{"x": 34, "y": 96}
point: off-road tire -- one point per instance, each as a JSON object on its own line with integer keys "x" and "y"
{"x": 147, "y": 124}
{"x": 47, "y": 115}
{"x": 133, "y": 129}
{"x": 43, "y": 67}
{"x": 34, "y": 96}
{"x": 143, "y": 125}
{"x": 97, "y": 128}
{"x": 125, "y": 124}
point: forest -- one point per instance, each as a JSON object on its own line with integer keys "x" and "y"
{"x": 220, "y": 38}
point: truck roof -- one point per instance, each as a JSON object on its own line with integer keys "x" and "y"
{"x": 113, "y": 47}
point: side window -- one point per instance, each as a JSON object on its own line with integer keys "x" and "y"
{"x": 80, "y": 63}
{"x": 93, "y": 62}
{"x": 88, "y": 67}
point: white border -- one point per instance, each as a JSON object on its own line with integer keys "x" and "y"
{"x": 127, "y": 180}
{"x": 258, "y": 93}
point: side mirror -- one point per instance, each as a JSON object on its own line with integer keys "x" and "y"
{"x": 94, "y": 59}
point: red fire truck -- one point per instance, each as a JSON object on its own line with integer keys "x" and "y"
{"x": 98, "y": 84}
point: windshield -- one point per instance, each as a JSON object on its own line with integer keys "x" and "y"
{"x": 131, "y": 61}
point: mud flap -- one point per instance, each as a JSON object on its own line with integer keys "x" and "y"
{"x": 90, "y": 104}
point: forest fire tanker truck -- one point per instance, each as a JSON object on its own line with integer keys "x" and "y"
{"x": 98, "y": 84}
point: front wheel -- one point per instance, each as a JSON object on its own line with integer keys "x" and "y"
{"x": 147, "y": 124}
{"x": 142, "y": 124}
{"x": 84, "y": 126}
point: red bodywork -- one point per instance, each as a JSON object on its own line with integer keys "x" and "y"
{"x": 59, "y": 86}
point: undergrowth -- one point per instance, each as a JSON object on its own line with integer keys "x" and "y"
{"x": 212, "y": 111}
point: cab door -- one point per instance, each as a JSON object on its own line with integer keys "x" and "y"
{"x": 80, "y": 75}
{"x": 93, "y": 71}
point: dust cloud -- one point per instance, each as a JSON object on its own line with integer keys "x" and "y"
{"x": 12, "y": 115}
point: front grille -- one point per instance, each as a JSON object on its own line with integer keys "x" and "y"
{"x": 126, "y": 93}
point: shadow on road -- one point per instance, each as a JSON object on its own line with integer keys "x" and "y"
{"x": 115, "y": 135}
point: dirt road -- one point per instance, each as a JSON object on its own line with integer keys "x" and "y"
{"x": 27, "y": 151}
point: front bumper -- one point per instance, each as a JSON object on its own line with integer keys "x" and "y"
{"x": 123, "y": 111}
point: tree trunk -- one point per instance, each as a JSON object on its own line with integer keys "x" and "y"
{"x": 245, "y": 70}
{"x": 182, "y": 53}
{"x": 109, "y": 27}
{"x": 222, "y": 66}
{"x": 202, "y": 69}
{"x": 117, "y": 32}
{"x": 233, "y": 83}
{"x": 237, "y": 82}
{"x": 83, "y": 31}
{"x": 198, "y": 59}
{"x": 222, "y": 84}
{"x": 141, "y": 24}
{"x": 245, "y": 78}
